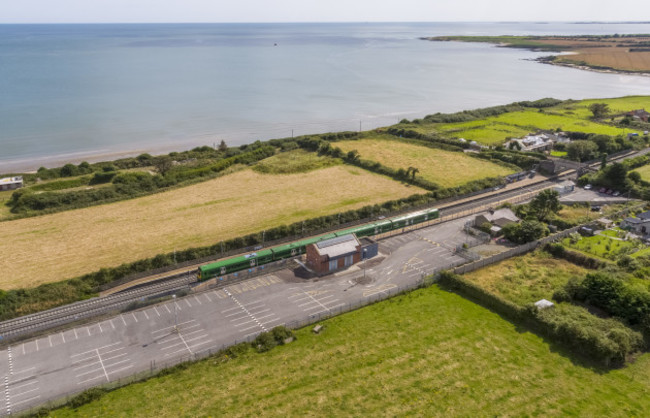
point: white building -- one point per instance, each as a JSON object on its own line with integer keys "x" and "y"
{"x": 11, "y": 183}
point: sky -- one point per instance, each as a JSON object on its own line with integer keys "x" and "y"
{"x": 143, "y": 11}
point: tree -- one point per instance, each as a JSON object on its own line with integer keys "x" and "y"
{"x": 526, "y": 231}
{"x": 353, "y": 155}
{"x": 603, "y": 161}
{"x": 163, "y": 164}
{"x": 545, "y": 203}
{"x": 581, "y": 150}
{"x": 69, "y": 170}
{"x": 599, "y": 109}
{"x": 222, "y": 146}
{"x": 615, "y": 175}
{"x": 635, "y": 176}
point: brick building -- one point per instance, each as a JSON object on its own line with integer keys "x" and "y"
{"x": 333, "y": 254}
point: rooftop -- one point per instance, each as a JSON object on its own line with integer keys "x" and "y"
{"x": 339, "y": 246}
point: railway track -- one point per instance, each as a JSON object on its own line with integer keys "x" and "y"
{"x": 90, "y": 308}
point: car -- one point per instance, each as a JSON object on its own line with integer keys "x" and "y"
{"x": 616, "y": 193}
{"x": 602, "y": 190}
{"x": 609, "y": 191}
{"x": 588, "y": 187}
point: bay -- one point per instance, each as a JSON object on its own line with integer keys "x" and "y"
{"x": 87, "y": 92}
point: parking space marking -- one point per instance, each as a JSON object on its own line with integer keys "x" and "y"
{"x": 75, "y": 333}
{"x": 243, "y": 308}
{"x": 145, "y": 314}
{"x": 101, "y": 359}
{"x": 156, "y": 310}
{"x": 166, "y": 307}
{"x": 182, "y": 337}
{"x": 197, "y": 300}
{"x": 121, "y": 316}
{"x": 189, "y": 305}
{"x": 207, "y": 297}
{"x": 134, "y": 317}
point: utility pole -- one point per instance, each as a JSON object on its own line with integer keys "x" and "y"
{"x": 363, "y": 257}
{"x": 359, "y": 126}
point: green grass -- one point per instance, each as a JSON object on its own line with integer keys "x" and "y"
{"x": 558, "y": 154}
{"x": 526, "y": 279}
{"x": 644, "y": 171}
{"x": 602, "y": 246}
{"x": 428, "y": 353}
{"x": 573, "y": 116}
{"x": 297, "y": 161}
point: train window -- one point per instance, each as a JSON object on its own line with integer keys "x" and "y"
{"x": 293, "y": 251}
{"x": 253, "y": 263}
{"x": 223, "y": 270}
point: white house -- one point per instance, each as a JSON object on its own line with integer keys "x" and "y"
{"x": 11, "y": 183}
{"x": 639, "y": 225}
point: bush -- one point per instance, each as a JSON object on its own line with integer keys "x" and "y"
{"x": 86, "y": 396}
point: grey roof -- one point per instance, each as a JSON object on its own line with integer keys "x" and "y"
{"x": 543, "y": 304}
{"x": 635, "y": 220}
{"x": 338, "y": 247}
{"x": 503, "y": 213}
{"x": 644, "y": 215}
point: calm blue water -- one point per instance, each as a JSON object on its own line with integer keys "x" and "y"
{"x": 72, "y": 91}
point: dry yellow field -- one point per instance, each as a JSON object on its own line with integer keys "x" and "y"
{"x": 445, "y": 168}
{"x": 68, "y": 244}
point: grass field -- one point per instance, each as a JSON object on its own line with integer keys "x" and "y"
{"x": 569, "y": 117}
{"x": 297, "y": 161}
{"x": 428, "y": 353}
{"x": 644, "y": 171}
{"x": 526, "y": 279}
{"x": 67, "y": 244}
{"x": 446, "y": 168}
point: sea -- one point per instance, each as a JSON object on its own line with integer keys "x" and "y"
{"x": 97, "y": 91}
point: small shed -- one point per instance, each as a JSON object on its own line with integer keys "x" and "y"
{"x": 544, "y": 304}
{"x": 333, "y": 254}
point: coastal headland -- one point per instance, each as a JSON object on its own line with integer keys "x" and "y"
{"x": 605, "y": 53}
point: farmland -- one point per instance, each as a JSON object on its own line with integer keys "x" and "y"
{"x": 568, "y": 116}
{"x": 79, "y": 241}
{"x": 526, "y": 279}
{"x": 445, "y": 168}
{"x": 626, "y": 54}
{"x": 427, "y": 353}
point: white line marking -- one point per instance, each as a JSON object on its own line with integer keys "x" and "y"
{"x": 101, "y": 331}
{"x": 36, "y": 341}
{"x": 157, "y": 313}
{"x": 89, "y": 371}
{"x": 168, "y": 311}
{"x": 99, "y": 348}
{"x": 88, "y": 330}
{"x": 262, "y": 311}
{"x": 63, "y": 337}
{"x": 134, "y": 317}
{"x": 25, "y": 370}
{"x": 22, "y": 393}
{"x": 102, "y": 363}
{"x": 114, "y": 357}
{"x": 197, "y": 299}
{"x": 172, "y": 327}
{"x": 26, "y": 400}
{"x": 208, "y": 297}
{"x": 122, "y": 369}
{"x": 145, "y": 314}
{"x": 112, "y": 324}
{"x": 123, "y": 320}
{"x": 246, "y": 329}
{"x": 118, "y": 362}
{"x": 26, "y": 384}
{"x": 91, "y": 379}
{"x": 23, "y": 349}
{"x": 188, "y": 303}
{"x": 177, "y": 306}
{"x": 49, "y": 338}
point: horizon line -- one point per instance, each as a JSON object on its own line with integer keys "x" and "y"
{"x": 332, "y": 21}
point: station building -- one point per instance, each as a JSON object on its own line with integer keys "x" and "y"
{"x": 337, "y": 253}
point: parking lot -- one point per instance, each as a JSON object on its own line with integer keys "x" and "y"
{"x": 69, "y": 361}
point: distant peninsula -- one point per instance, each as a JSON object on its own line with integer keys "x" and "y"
{"x": 604, "y": 53}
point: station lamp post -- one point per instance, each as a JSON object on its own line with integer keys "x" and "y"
{"x": 175, "y": 313}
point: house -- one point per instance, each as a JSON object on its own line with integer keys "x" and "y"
{"x": 639, "y": 114}
{"x": 333, "y": 254}
{"x": 11, "y": 183}
{"x": 639, "y": 225}
{"x": 497, "y": 218}
{"x": 538, "y": 142}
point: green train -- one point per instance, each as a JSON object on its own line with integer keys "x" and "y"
{"x": 259, "y": 258}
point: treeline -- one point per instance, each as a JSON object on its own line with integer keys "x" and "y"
{"x": 470, "y": 115}
{"x": 606, "y": 342}
{"x": 126, "y": 185}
